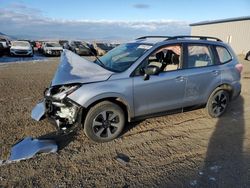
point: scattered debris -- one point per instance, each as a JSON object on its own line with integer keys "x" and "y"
{"x": 215, "y": 168}
{"x": 193, "y": 182}
{"x": 27, "y": 98}
{"x": 212, "y": 178}
{"x": 122, "y": 158}
{"x": 201, "y": 173}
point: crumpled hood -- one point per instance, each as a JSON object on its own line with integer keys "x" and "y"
{"x": 75, "y": 69}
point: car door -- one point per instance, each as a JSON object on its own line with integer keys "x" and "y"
{"x": 203, "y": 73}
{"x": 159, "y": 93}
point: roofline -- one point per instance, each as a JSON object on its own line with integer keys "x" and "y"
{"x": 221, "y": 21}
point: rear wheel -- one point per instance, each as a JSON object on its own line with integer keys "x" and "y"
{"x": 217, "y": 103}
{"x": 104, "y": 122}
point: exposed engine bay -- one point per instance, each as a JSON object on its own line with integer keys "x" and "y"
{"x": 60, "y": 109}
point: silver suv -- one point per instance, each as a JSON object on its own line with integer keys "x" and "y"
{"x": 149, "y": 76}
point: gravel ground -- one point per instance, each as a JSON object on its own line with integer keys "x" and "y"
{"x": 181, "y": 150}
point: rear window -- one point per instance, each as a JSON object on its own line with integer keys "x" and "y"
{"x": 199, "y": 56}
{"x": 224, "y": 55}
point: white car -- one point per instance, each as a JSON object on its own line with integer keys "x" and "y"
{"x": 21, "y": 48}
{"x": 52, "y": 49}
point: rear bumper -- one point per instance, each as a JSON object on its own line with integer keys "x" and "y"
{"x": 236, "y": 90}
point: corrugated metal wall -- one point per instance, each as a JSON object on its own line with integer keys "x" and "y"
{"x": 236, "y": 33}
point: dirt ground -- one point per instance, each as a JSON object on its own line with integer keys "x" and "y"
{"x": 181, "y": 150}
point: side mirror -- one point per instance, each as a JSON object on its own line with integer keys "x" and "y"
{"x": 151, "y": 70}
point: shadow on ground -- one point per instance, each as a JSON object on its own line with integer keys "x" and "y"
{"x": 224, "y": 162}
{"x": 61, "y": 139}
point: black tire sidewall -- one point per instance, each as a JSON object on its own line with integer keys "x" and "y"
{"x": 209, "y": 103}
{"x": 248, "y": 57}
{"x": 97, "y": 109}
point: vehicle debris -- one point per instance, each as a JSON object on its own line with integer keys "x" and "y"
{"x": 193, "y": 182}
{"x": 29, "y": 147}
{"x": 215, "y": 168}
{"x": 122, "y": 158}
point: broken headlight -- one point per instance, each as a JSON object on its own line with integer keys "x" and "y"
{"x": 59, "y": 93}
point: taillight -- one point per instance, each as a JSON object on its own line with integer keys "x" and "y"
{"x": 239, "y": 67}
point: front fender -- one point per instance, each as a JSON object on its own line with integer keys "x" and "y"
{"x": 89, "y": 93}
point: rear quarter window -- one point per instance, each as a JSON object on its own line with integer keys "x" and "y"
{"x": 223, "y": 54}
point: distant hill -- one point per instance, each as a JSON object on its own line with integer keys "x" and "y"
{"x": 2, "y": 34}
{"x": 6, "y": 36}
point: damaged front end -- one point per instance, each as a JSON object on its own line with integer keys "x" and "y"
{"x": 60, "y": 110}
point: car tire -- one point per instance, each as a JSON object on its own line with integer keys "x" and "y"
{"x": 217, "y": 103}
{"x": 104, "y": 122}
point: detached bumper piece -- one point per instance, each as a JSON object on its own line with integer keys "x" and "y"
{"x": 38, "y": 112}
{"x": 29, "y": 147}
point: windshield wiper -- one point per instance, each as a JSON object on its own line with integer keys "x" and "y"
{"x": 94, "y": 54}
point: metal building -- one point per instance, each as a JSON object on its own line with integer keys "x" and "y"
{"x": 235, "y": 31}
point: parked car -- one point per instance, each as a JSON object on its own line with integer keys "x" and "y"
{"x": 62, "y": 42}
{"x": 247, "y": 56}
{"x": 1, "y": 49}
{"x": 102, "y": 48}
{"x": 78, "y": 47}
{"x": 150, "y": 76}
{"x": 51, "y": 49}
{"x": 21, "y": 48}
{"x": 5, "y": 46}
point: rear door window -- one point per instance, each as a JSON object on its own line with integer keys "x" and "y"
{"x": 224, "y": 55}
{"x": 199, "y": 56}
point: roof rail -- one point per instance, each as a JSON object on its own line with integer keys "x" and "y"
{"x": 144, "y": 37}
{"x": 198, "y": 37}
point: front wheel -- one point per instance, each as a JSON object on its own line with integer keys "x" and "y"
{"x": 104, "y": 122}
{"x": 217, "y": 103}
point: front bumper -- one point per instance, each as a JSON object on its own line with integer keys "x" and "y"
{"x": 63, "y": 114}
{"x": 53, "y": 52}
{"x": 38, "y": 112}
{"x": 21, "y": 52}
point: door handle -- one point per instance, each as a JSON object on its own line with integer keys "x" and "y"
{"x": 180, "y": 78}
{"x": 215, "y": 72}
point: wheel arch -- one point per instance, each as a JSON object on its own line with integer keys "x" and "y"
{"x": 224, "y": 86}
{"x": 117, "y": 100}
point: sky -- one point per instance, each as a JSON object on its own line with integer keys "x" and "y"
{"x": 111, "y": 19}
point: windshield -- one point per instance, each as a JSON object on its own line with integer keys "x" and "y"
{"x": 53, "y": 45}
{"x": 123, "y": 56}
{"x": 20, "y": 43}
